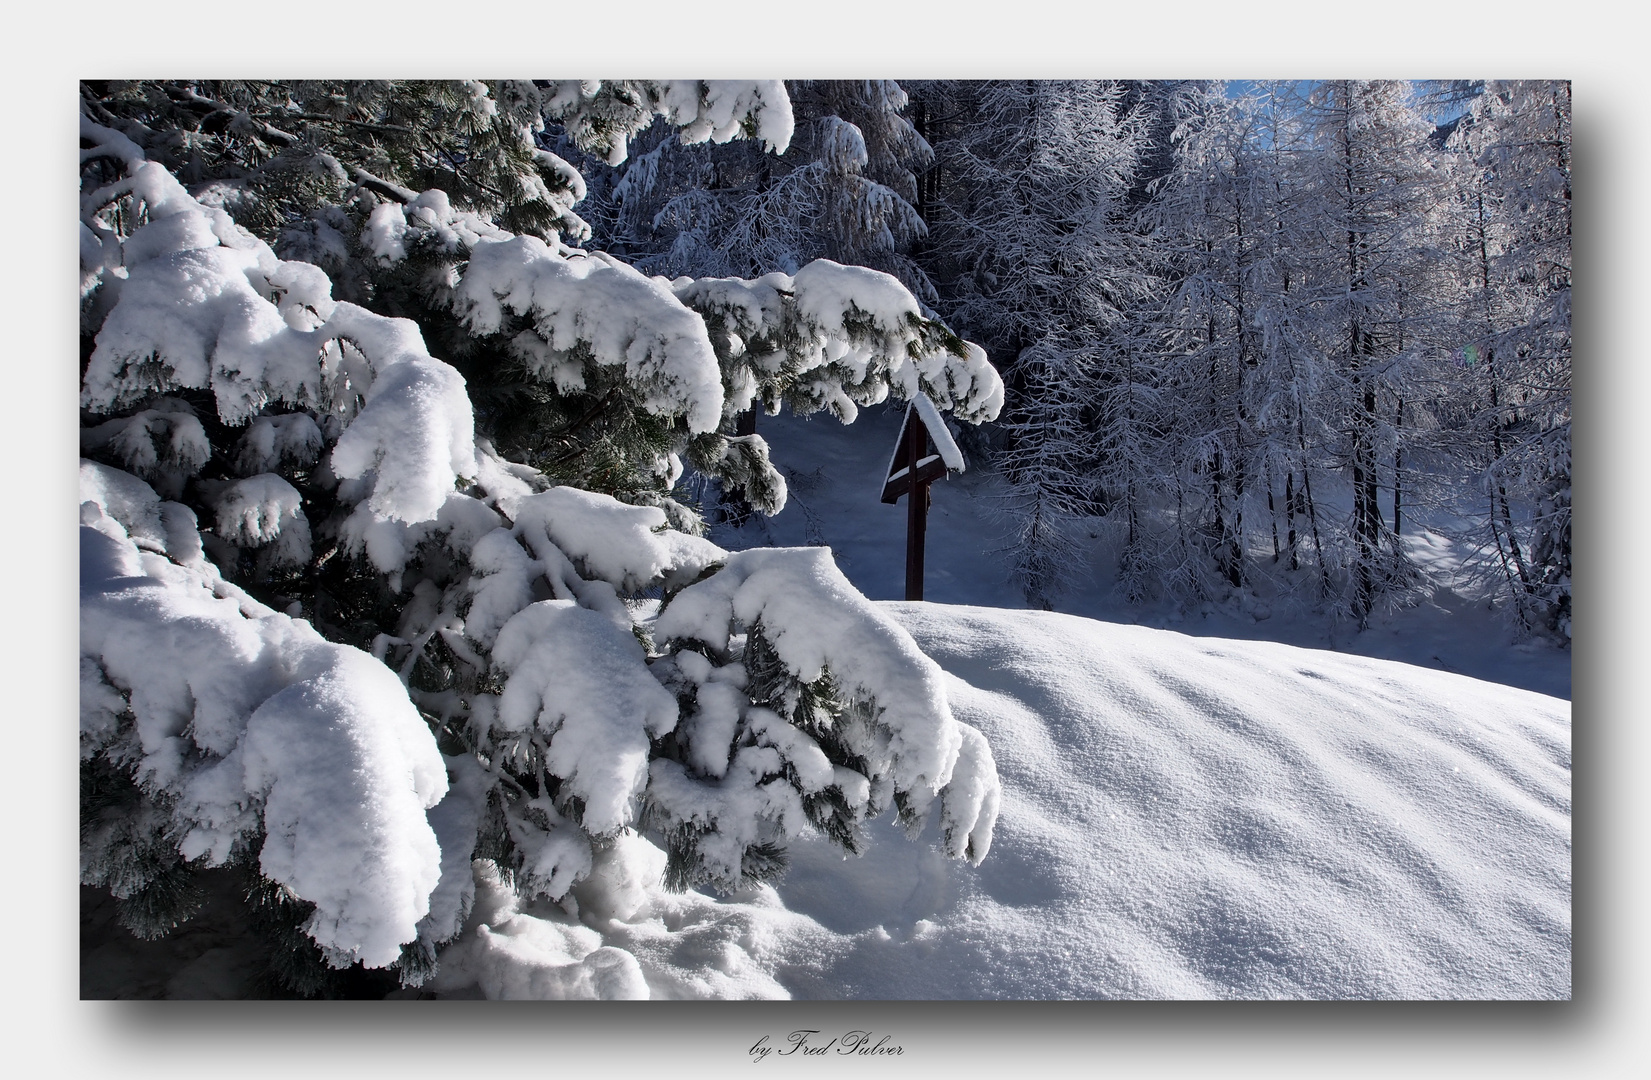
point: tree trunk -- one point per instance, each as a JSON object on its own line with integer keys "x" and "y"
{"x": 917, "y": 510}
{"x": 1398, "y": 472}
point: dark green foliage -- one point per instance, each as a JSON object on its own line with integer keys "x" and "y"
{"x": 493, "y": 839}
{"x": 760, "y": 863}
{"x": 279, "y": 149}
{"x": 169, "y": 898}
{"x": 127, "y": 846}
{"x": 295, "y": 967}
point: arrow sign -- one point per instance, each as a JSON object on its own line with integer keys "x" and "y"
{"x": 924, "y": 453}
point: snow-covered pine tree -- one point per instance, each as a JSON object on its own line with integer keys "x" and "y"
{"x": 840, "y": 191}
{"x": 281, "y": 482}
{"x": 843, "y": 190}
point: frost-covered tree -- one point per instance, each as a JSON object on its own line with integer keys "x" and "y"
{"x": 1210, "y": 218}
{"x": 1033, "y": 253}
{"x": 1515, "y": 302}
{"x": 345, "y": 625}
{"x": 1302, "y": 245}
{"x": 1376, "y": 192}
{"x": 842, "y": 190}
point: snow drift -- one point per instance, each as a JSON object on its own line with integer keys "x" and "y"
{"x": 1181, "y": 818}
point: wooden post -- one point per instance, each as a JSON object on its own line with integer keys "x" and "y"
{"x": 912, "y": 468}
{"x": 917, "y": 511}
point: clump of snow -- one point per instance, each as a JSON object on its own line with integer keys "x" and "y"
{"x": 597, "y": 304}
{"x": 415, "y": 433}
{"x": 253, "y": 729}
{"x": 344, "y": 768}
{"x": 710, "y": 729}
{"x": 579, "y": 681}
{"x": 583, "y": 546}
{"x": 273, "y": 442}
{"x": 718, "y": 110}
{"x": 456, "y": 819}
{"x": 627, "y": 546}
{"x": 165, "y": 444}
{"x": 843, "y": 336}
{"x": 816, "y": 621}
{"x": 723, "y": 107}
{"x": 944, "y": 444}
{"x": 167, "y": 528}
{"x": 430, "y": 223}
{"x": 262, "y": 510}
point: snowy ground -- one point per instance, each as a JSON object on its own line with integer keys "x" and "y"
{"x": 1182, "y": 818}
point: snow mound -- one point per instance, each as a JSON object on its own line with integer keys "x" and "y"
{"x": 1180, "y": 818}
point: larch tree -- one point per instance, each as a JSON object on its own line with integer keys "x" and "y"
{"x": 1210, "y": 220}
{"x": 1515, "y": 259}
{"x": 1371, "y": 194}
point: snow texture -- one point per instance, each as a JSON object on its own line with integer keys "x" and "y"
{"x": 509, "y": 956}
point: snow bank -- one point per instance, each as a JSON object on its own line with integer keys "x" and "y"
{"x": 1181, "y": 818}
{"x": 1189, "y": 817}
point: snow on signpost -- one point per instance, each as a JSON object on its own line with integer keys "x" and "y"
{"x": 912, "y": 468}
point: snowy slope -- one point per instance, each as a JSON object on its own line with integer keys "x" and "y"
{"x": 1183, "y": 817}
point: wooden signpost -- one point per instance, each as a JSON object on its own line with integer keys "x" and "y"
{"x": 924, "y": 453}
